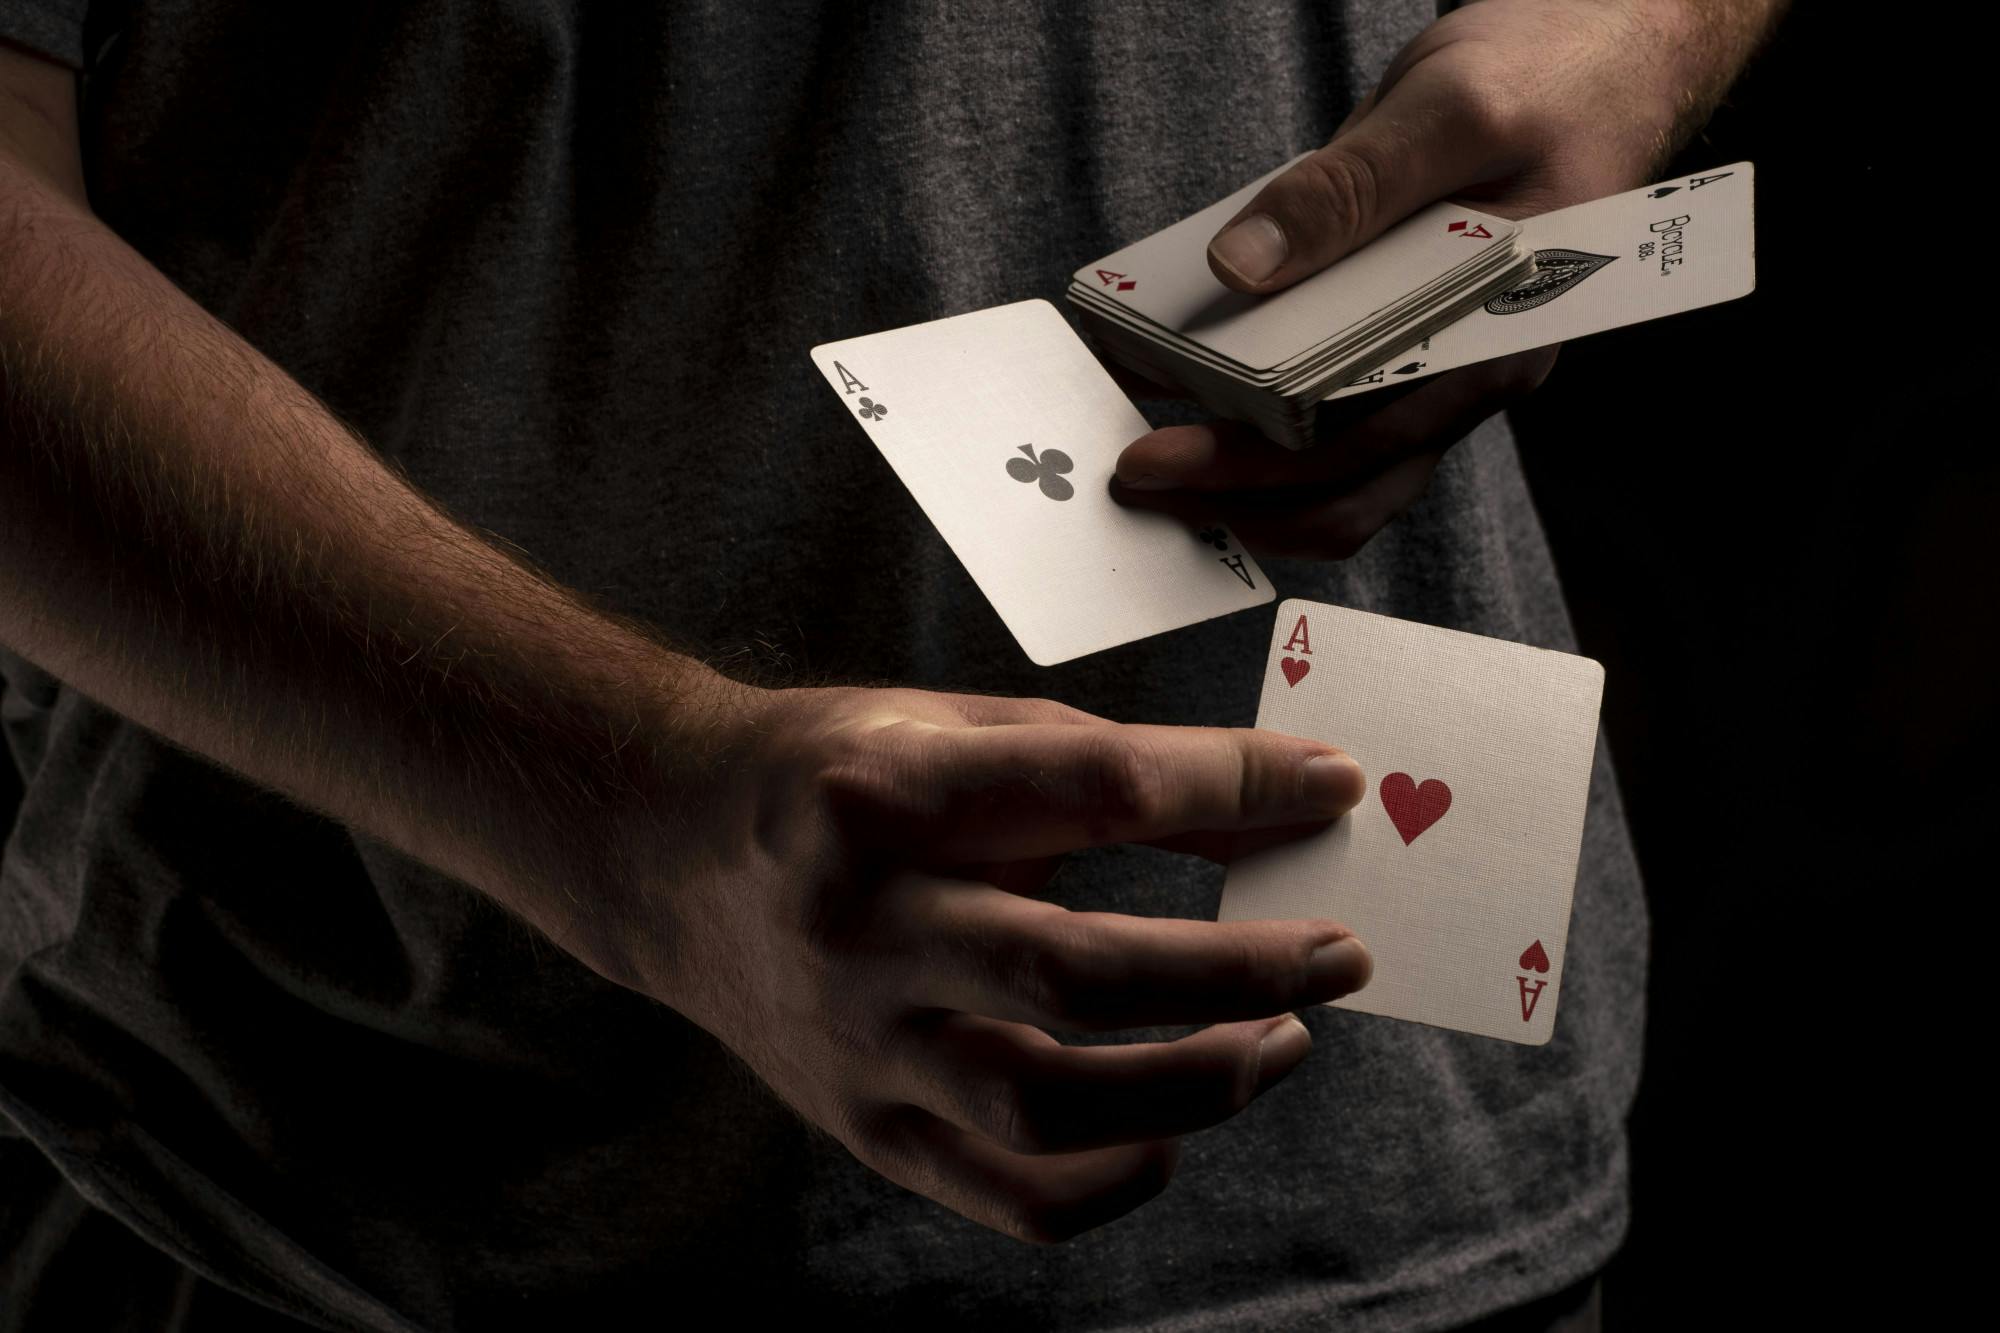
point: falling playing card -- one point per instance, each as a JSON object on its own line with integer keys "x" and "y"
{"x": 1457, "y": 867}
{"x": 1006, "y": 430}
{"x": 1645, "y": 254}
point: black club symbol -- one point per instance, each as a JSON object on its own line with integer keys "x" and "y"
{"x": 1046, "y": 470}
{"x": 1215, "y": 537}
{"x": 872, "y": 410}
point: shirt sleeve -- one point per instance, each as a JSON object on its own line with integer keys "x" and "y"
{"x": 53, "y": 28}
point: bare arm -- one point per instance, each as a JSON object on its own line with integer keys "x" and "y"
{"x": 192, "y": 539}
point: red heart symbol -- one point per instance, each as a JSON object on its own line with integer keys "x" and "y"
{"x": 1295, "y": 669}
{"x": 1535, "y": 960}
{"x": 1412, "y": 808}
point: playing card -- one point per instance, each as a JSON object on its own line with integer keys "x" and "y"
{"x": 1456, "y": 869}
{"x": 1650, "y": 252}
{"x": 1006, "y": 431}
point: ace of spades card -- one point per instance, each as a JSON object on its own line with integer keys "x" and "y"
{"x": 1656, "y": 251}
{"x": 1006, "y": 429}
{"x": 1457, "y": 868}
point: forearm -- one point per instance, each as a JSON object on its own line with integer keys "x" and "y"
{"x": 1637, "y": 79}
{"x": 187, "y": 536}
{"x": 1714, "y": 40}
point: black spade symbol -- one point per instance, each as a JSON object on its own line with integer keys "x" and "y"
{"x": 1556, "y": 271}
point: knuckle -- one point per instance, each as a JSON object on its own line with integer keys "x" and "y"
{"x": 1492, "y": 114}
{"x": 865, "y": 1130}
{"x": 1225, "y": 1082}
{"x": 1063, "y": 978}
{"x": 1010, "y": 1115}
{"x": 1267, "y": 980}
{"x": 1057, "y": 984}
{"x": 1130, "y": 783}
{"x": 883, "y": 1139}
{"x": 1262, "y": 773}
{"x": 870, "y": 778}
{"x": 1235, "y": 1082}
{"x": 1049, "y": 710}
{"x": 1341, "y": 188}
{"x": 851, "y": 778}
{"x": 1029, "y": 971}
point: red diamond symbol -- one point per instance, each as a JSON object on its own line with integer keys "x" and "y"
{"x": 1456, "y": 226}
{"x": 1127, "y": 286}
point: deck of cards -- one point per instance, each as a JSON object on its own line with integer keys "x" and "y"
{"x": 1156, "y": 308}
{"x": 1445, "y": 288}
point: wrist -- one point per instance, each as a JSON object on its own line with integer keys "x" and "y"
{"x": 597, "y": 851}
{"x": 1660, "y": 68}
{"x": 1706, "y": 43}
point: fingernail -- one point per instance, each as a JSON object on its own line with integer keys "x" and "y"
{"x": 1281, "y": 1049}
{"x": 1338, "y": 968}
{"x": 1252, "y": 249}
{"x": 1333, "y": 783}
{"x": 1145, "y": 481}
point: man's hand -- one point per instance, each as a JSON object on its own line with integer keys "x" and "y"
{"x": 1521, "y": 106}
{"x": 845, "y": 897}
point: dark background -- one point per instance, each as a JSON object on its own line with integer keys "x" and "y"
{"x": 1774, "y": 521}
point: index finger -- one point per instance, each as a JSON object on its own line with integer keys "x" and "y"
{"x": 1011, "y": 792}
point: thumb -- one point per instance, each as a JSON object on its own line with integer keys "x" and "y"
{"x": 1420, "y": 142}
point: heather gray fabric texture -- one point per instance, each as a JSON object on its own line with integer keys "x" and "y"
{"x": 53, "y": 28}
{"x": 563, "y": 263}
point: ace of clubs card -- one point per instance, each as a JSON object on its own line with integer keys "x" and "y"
{"x": 1006, "y": 430}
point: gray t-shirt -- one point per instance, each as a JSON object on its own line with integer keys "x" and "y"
{"x": 563, "y": 263}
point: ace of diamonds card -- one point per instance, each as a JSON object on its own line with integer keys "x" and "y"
{"x": 1457, "y": 868}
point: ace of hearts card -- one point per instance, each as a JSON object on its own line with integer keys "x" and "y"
{"x": 1458, "y": 867}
